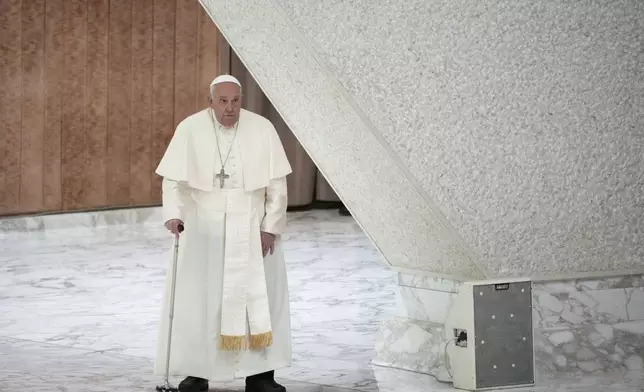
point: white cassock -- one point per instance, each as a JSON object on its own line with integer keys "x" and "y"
{"x": 254, "y": 196}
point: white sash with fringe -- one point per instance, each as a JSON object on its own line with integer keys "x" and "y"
{"x": 245, "y": 297}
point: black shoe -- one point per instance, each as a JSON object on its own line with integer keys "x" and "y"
{"x": 278, "y": 387}
{"x": 263, "y": 382}
{"x": 193, "y": 384}
{"x": 265, "y": 386}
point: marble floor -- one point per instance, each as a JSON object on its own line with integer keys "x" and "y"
{"x": 79, "y": 308}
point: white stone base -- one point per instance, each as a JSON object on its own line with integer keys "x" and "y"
{"x": 581, "y": 326}
{"x": 414, "y": 345}
{"x": 590, "y": 326}
{"x": 100, "y": 218}
{"x": 414, "y": 339}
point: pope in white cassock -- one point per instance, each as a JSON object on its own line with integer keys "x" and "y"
{"x": 224, "y": 179}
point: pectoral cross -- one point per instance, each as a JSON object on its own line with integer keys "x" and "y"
{"x": 222, "y": 177}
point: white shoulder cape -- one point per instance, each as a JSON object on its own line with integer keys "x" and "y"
{"x": 190, "y": 156}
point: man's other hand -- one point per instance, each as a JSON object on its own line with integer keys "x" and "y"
{"x": 268, "y": 243}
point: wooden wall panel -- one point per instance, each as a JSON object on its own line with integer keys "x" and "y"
{"x": 162, "y": 83}
{"x": 120, "y": 79}
{"x": 33, "y": 101}
{"x": 54, "y": 66}
{"x": 11, "y": 93}
{"x": 4, "y": 75}
{"x": 141, "y": 170}
{"x": 91, "y": 93}
{"x": 96, "y": 121}
{"x": 73, "y": 104}
{"x": 185, "y": 72}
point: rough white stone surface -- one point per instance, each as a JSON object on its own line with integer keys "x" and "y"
{"x": 405, "y": 226}
{"x": 522, "y": 120}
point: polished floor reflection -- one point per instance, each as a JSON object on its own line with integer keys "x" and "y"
{"x": 79, "y": 309}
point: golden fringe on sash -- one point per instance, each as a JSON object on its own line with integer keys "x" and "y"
{"x": 232, "y": 343}
{"x": 261, "y": 341}
{"x": 239, "y": 343}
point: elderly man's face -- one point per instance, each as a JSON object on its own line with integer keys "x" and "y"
{"x": 226, "y": 102}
